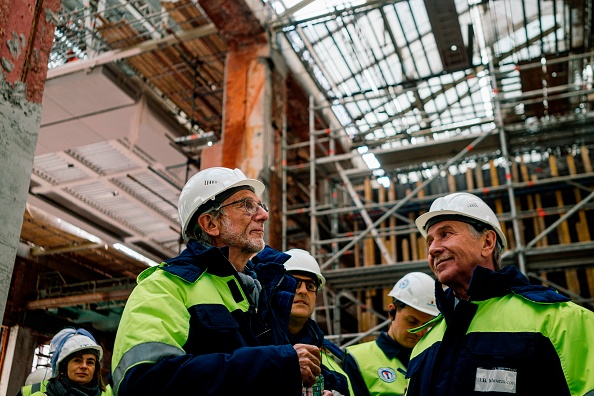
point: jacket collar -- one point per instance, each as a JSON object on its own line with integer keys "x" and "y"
{"x": 393, "y": 349}
{"x": 197, "y": 258}
{"x": 310, "y": 334}
{"x": 486, "y": 284}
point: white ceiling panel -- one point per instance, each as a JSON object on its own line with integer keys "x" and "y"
{"x": 106, "y": 158}
{"x": 84, "y": 93}
{"x": 111, "y": 124}
{"x": 66, "y": 135}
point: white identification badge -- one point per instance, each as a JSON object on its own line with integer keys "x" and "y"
{"x": 495, "y": 380}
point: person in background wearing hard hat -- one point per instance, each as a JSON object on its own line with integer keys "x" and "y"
{"x": 76, "y": 367}
{"x": 497, "y": 332}
{"x": 379, "y": 367}
{"x": 39, "y": 375}
{"x": 203, "y": 322}
{"x": 302, "y": 329}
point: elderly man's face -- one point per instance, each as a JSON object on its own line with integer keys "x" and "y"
{"x": 241, "y": 229}
{"x": 454, "y": 252}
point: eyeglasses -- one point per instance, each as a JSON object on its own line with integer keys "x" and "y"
{"x": 250, "y": 205}
{"x": 310, "y": 286}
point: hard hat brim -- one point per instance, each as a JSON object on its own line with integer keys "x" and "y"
{"x": 422, "y": 220}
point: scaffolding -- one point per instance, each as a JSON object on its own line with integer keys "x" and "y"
{"x": 533, "y": 167}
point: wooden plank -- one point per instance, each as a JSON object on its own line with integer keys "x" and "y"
{"x": 469, "y": 179}
{"x": 417, "y": 244}
{"x": 392, "y": 224}
{"x": 590, "y": 278}
{"x": 563, "y": 229}
{"x": 540, "y": 219}
{"x": 571, "y": 277}
{"x": 381, "y": 198}
{"x": 586, "y": 158}
{"x": 406, "y": 245}
{"x": 525, "y": 177}
{"x": 588, "y": 168}
{"x": 498, "y": 203}
{"x": 583, "y": 230}
{"x": 405, "y": 250}
{"x": 515, "y": 172}
{"x": 478, "y": 172}
{"x": 582, "y": 225}
{"x": 451, "y": 183}
{"x": 369, "y": 256}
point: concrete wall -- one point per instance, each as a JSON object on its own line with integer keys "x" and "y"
{"x": 19, "y": 359}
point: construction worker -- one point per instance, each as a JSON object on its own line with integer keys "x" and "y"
{"x": 203, "y": 322}
{"x": 302, "y": 329}
{"x": 379, "y": 367}
{"x": 76, "y": 367}
{"x": 39, "y": 375}
{"x": 497, "y": 332}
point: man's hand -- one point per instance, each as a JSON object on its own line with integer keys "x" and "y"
{"x": 309, "y": 363}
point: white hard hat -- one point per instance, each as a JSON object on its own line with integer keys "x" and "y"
{"x": 39, "y": 375}
{"x": 462, "y": 207}
{"x": 207, "y": 184}
{"x": 417, "y": 290}
{"x": 69, "y": 341}
{"x": 301, "y": 260}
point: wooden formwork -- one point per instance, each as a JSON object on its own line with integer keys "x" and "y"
{"x": 539, "y": 199}
{"x": 190, "y": 73}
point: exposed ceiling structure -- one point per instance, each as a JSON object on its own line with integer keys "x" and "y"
{"x": 410, "y": 83}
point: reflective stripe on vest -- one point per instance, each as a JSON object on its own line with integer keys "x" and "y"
{"x": 28, "y": 390}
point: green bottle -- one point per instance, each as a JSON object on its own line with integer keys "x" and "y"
{"x": 317, "y": 389}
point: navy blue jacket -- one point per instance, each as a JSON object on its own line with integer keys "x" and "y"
{"x": 510, "y": 337}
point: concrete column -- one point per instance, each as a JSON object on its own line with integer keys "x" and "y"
{"x": 25, "y": 42}
{"x": 18, "y": 360}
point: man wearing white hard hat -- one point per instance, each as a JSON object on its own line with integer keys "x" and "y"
{"x": 307, "y": 278}
{"x": 76, "y": 367}
{"x": 498, "y": 334}
{"x": 202, "y": 322}
{"x": 379, "y": 367}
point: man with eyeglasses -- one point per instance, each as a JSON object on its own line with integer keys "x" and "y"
{"x": 205, "y": 322}
{"x": 302, "y": 329}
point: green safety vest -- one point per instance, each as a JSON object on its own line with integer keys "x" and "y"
{"x": 329, "y": 361}
{"x": 382, "y": 376}
{"x": 39, "y": 389}
{"x": 172, "y": 296}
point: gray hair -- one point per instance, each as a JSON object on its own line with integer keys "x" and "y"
{"x": 199, "y": 234}
{"x": 497, "y": 252}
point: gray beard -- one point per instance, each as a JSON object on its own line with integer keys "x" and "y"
{"x": 247, "y": 245}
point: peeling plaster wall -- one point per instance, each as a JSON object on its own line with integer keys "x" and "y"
{"x": 19, "y": 128}
{"x": 26, "y": 36}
